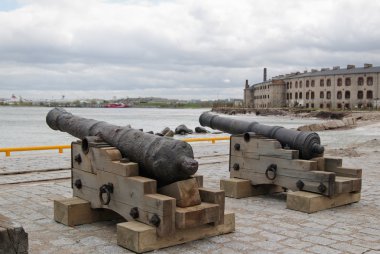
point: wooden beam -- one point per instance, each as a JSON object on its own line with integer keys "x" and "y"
{"x": 140, "y": 237}
{"x": 311, "y": 202}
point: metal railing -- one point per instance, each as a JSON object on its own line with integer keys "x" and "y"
{"x": 8, "y": 150}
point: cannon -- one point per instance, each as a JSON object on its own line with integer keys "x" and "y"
{"x": 307, "y": 143}
{"x": 163, "y": 159}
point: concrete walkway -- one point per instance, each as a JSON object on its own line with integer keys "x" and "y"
{"x": 263, "y": 224}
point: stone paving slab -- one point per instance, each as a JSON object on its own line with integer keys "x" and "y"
{"x": 263, "y": 224}
{"x": 31, "y": 161}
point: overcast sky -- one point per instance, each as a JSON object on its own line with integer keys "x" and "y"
{"x": 175, "y": 49}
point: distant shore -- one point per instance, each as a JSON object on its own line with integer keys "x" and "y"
{"x": 332, "y": 119}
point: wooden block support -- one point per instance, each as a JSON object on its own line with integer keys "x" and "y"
{"x": 185, "y": 192}
{"x": 311, "y": 202}
{"x": 214, "y": 197}
{"x": 139, "y": 237}
{"x": 75, "y": 211}
{"x": 195, "y": 216}
{"x": 241, "y": 188}
{"x": 13, "y": 238}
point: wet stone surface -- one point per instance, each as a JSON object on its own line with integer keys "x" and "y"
{"x": 263, "y": 224}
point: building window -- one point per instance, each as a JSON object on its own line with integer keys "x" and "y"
{"x": 300, "y": 95}
{"x": 347, "y": 95}
{"x": 347, "y": 81}
{"x": 290, "y": 85}
{"x": 328, "y": 82}
{"x": 328, "y": 95}
{"x": 369, "y": 94}
{"x": 296, "y": 96}
{"x": 287, "y": 96}
{"x": 307, "y": 83}
{"x": 369, "y": 81}
{"x": 312, "y": 83}
{"x": 300, "y": 84}
{"x": 296, "y": 84}
{"x": 287, "y": 85}
{"x": 339, "y": 95}
{"x": 360, "y": 94}
{"x": 312, "y": 96}
{"x": 328, "y": 105}
{"x": 322, "y": 82}
{"x": 321, "y": 105}
{"x": 339, "y": 82}
{"x": 312, "y": 105}
{"x": 321, "y": 95}
{"x": 347, "y": 106}
{"x": 290, "y": 96}
{"x": 360, "y": 81}
{"x": 307, "y": 105}
{"x": 339, "y": 105}
{"x": 307, "y": 95}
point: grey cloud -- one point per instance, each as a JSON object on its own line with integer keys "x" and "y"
{"x": 170, "y": 46}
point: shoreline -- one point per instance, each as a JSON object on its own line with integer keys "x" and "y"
{"x": 343, "y": 119}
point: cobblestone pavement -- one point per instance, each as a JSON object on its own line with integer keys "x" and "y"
{"x": 263, "y": 224}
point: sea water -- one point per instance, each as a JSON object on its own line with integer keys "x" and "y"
{"x": 26, "y": 126}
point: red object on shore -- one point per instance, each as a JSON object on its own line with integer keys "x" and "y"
{"x": 116, "y": 105}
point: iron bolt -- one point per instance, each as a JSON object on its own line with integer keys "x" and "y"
{"x": 300, "y": 184}
{"x": 155, "y": 220}
{"x": 236, "y": 166}
{"x": 78, "y": 184}
{"x": 134, "y": 213}
{"x": 78, "y": 158}
{"x": 237, "y": 147}
{"x": 322, "y": 188}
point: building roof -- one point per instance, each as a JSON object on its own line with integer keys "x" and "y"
{"x": 329, "y": 72}
{"x": 322, "y": 72}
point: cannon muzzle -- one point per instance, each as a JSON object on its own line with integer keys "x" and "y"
{"x": 307, "y": 143}
{"x": 164, "y": 159}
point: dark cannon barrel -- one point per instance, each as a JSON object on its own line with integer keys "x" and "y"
{"x": 307, "y": 143}
{"x": 164, "y": 159}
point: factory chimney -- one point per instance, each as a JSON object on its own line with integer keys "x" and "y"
{"x": 265, "y": 75}
{"x": 246, "y": 84}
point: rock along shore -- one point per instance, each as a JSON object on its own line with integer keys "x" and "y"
{"x": 333, "y": 119}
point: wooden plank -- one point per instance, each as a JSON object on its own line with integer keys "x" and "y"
{"x": 320, "y": 163}
{"x": 194, "y": 216}
{"x": 164, "y": 209}
{"x": 264, "y": 161}
{"x": 241, "y": 188}
{"x": 84, "y": 163}
{"x": 214, "y": 197}
{"x": 76, "y": 211}
{"x": 310, "y": 202}
{"x": 185, "y": 192}
{"x": 347, "y": 172}
{"x": 347, "y": 184}
{"x": 108, "y": 159}
{"x": 332, "y": 163}
{"x": 289, "y": 178}
{"x": 139, "y": 237}
{"x": 199, "y": 179}
{"x": 257, "y": 147}
{"x": 129, "y": 192}
{"x": 13, "y": 238}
